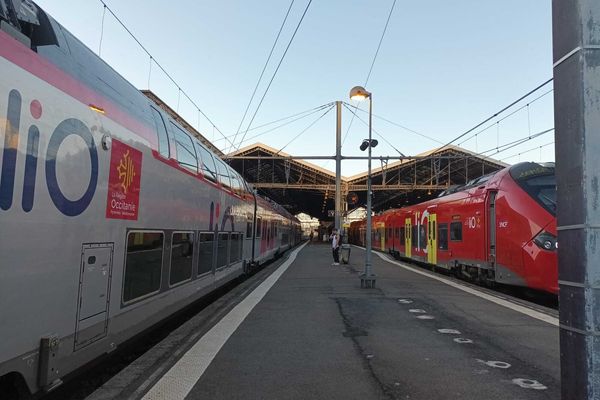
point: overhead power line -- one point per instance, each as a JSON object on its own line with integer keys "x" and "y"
{"x": 380, "y": 41}
{"x": 305, "y": 129}
{"x": 394, "y": 123}
{"x": 377, "y": 133}
{"x": 495, "y": 115}
{"x": 286, "y": 123}
{"x": 528, "y": 150}
{"x": 263, "y": 71}
{"x": 506, "y": 116}
{"x": 300, "y": 115}
{"x": 181, "y": 91}
{"x": 275, "y": 73}
{"x": 515, "y": 143}
{"x": 372, "y": 64}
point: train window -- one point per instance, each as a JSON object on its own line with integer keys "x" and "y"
{"x": 443, "y": 236}
{"x": 222, "y": 173}
{"x": 397, "y": 233}
{"x": 207, "y": 163}
{"x": 235, "y": 182}
{"x": 402, "y": 236}
{"x": 422, "y": 236}
{"x": 285, "y": 236}
{"x": 249, "y": 227}
{"x": 222, "y": 250}
{"x": 205, "y": 253}
{"x": 456, "y": 231}
{"x": 258, "y": 227}
{"x": 186, "y": 155}
{"x": 182, "y": 254}
{"x": 163, "y": 138}
{"x": 143, "y": 264}
{"x": 235, "y": 248}
{"x": 413, "y": 236}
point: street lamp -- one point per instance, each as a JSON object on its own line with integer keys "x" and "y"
{"x": 367, "y": 278}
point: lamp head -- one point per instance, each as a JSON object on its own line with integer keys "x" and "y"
{"x": 359, "y": 93}
{"x": 364, "y": 145}
{"x": 374, "y": 143}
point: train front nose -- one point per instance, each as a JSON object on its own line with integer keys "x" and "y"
{"x": 540, "y": 260}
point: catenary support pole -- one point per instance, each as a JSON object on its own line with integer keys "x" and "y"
{"x": 367, "y": 278}
{"x": 338, "y": 164}
{"x": 576, "y": 45}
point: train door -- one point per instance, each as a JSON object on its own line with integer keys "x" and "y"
{"x": 432, "y": 239}
{"x": 94, "y": 293}
{"x": 492, "y": 229}
{"x": 407, "y": 237}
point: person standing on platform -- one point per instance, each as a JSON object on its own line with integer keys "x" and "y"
{"x": 335, "y": 246}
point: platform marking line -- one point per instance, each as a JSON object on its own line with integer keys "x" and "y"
{"x": 505, "y": 303}
{"x": 425, "y": 317}
{"x": 529, "y": 384}
{"x": 463, "y": 340}
{"x": 449, "y": 331}
{"x": 181, "y": 378}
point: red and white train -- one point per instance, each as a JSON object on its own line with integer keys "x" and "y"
{"x": 112, "y": 215}
{"x": 500, "y": 228}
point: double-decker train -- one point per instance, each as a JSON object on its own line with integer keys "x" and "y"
{"x": 500, "y": 228}
{"x": 112, "y": 215}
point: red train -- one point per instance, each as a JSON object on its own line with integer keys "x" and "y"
{"x": 500, "y": 228}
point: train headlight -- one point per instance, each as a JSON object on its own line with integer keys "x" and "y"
{"x": 546, "y": 241}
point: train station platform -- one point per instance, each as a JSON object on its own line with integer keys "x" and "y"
{"x": 304, "y": 329}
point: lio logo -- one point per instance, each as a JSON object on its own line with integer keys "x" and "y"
{"x": 68, "y": 127}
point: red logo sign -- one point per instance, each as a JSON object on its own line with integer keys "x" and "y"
{"x": 124, "y": 182}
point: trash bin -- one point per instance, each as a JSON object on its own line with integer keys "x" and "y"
{"x": 345, "y": 250}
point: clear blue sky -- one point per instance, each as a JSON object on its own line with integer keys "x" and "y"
{"x": 443, "y": 66}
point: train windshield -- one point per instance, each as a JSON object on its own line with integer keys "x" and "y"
{"x": 539, "y": 181}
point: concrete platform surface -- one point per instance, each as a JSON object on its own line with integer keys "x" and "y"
{"x": 317, "y": 335}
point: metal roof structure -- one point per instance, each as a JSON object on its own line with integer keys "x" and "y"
{"x": 301, "y": 186}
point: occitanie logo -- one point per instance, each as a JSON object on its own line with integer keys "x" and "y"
{"x": 126, "y": 171}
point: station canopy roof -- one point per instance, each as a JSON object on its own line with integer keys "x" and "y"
{"x": 301, "y": 186}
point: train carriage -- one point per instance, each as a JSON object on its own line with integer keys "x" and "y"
{"x": 498, "y": 228}
{"x": 112, "y": 215}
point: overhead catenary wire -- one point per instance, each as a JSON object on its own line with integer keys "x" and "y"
{"x": 161, "y": 67}
{"x": 102, "y": 30}
{"x": 510, "y": 145}
{"x": 292, "y": 118}
{"x": 305, "y": 129}
{"x": 377, "y": 133}
{"x": 372, "y": 64}
{"x": 280, "y": 126}
{"x": 508, "y": 116}
{"x": 263, "y": 71}
{"x": 528, "y": 150}
{"x": 439, "y": 149}
{"x": 494, "y": 115}
{"x": 356, "y": 108}
{"x": 274, "y": 74}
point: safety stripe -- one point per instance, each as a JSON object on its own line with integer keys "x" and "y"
{"x": 181, "y": 378}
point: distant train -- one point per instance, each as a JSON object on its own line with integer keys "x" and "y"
{"x": 500, "y": 228}
{"x": 112, "y": 216}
